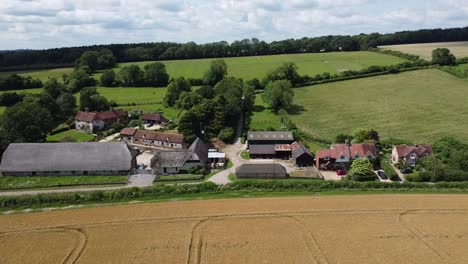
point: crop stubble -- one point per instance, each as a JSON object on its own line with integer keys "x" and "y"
{"x": 335, "y": 229}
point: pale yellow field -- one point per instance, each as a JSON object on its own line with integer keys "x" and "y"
{"x": 424, "y": 50}
{"x": 333, "y": 229}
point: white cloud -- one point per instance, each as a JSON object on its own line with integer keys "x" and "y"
{"x": 53, "y": 23}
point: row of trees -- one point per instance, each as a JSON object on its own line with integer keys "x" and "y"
{"x": 246, "y": 47}
{"x": 17, "y": 82}
{"x": 153, "y": 74}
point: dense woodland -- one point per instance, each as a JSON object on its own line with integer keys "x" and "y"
{"x": 25, "y": 59}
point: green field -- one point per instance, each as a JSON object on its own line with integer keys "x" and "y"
{"x": 263, "y": 117}
{"x": 424, "y": 50}
{"x": 2, "y": 109}
{"x": 57, "y": 181}
{"x": 24, "y": 91}
{"x": 42, "y": 75}
{"x": 71, "y": 135}
{"x": 421, "y": 106}
{"x": 258, "y": 66}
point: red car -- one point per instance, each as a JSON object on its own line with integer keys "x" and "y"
{"x": 341, "y": 172}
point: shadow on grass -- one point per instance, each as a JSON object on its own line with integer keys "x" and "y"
{"x": 295, "y": 109}
{"x": 258, "y": 108}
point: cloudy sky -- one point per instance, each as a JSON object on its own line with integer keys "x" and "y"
{"x": 41, "y": 24}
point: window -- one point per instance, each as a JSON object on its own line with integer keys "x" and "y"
{"x": 369, "y": 156}
{"x": 326, "y": 158}
{"x": 342, "y": 157}
{"x": 85, "y": 172}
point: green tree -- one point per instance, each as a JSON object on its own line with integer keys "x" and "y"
{"x": 366, "y": 135}
{"x": 67, "y": 104}
{"x": 189, "y": 125}
{"x": 174, "y": 89}
{"x": 341, "y": 138}
{"x": 108, "y": 78}
{"x": 156, "y": 74}
{"x": 26, "y": 122}
{"x": 54, "y": 88}
{"x": 91, "y": 100}
{"x": 90, "y": 59}
{"x": 226, "y": 135}
{"x": 206, "y": 91}
{"x": 217, "y": 71}
{"x": 287, "y": 71}
{"x": 361, "y": 170}
{"x": 106, "y": 59}
{"x": 442, "y": 56}
{"x": 278, "y": 95}
{"x": 131, "y": 75}
{"x": 188, "y": 99}
{"x": 78, "y": 79}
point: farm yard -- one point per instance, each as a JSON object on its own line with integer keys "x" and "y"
{"x": 390, "y": 229}
{"x": 421, "y": 106}
{"x": 424, "y": 50}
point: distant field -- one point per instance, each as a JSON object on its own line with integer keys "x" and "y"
{"x": 255, "y": 66}
{"x": 424, "y": 50}
{"x": 421, "y": 106}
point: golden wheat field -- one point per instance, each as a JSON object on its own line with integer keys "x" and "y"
{"x": 329, "y": 229}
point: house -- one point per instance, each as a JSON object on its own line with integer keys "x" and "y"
{"x": 181, "y": 160}
{"x": 154, "y": 119}
{"x": 216, "y": 159}
{"x": 339, "y": 155}
{"x": 301, "y": 156}
{"x": 409, "y": 155}
{"x": 93, "y": 121}
{"x": 269, "y": 144}
{"x": 67, "y": 159}
{"x": 152, "y": 138}
{"x": 261, "y": 171}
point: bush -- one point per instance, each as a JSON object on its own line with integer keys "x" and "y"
{"x": 226, "y": 134}
{"x": 108, "y": 78}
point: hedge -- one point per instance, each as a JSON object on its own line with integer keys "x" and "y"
{"x": 168, "y": 191}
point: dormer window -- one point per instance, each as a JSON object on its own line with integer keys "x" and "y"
{"x": 342, "y": 157}
{"x": 413, "y": 155}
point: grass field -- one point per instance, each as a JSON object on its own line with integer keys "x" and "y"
{"x": 71, "y": 135}
{"x": 49, "y": 182}
{"x": 263, "y": 117}
{"x": 424, "y": 50}
{"x": 332, "y": 229}
{"x": 42, "y": 75}
{"x": 421, "y": 106}
{"x": 2, "y": 109}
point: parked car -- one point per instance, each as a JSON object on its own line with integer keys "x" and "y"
{"x": 341, "y": 172}
{"x": 406, "y": 171}
{"x": 382, "y": 175}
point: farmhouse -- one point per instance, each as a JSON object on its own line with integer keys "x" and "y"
{"x": 269, "y": 144}
{"x": 409, "y": 155}
{"x": 301, "y": 156}
{"x": 182, "y": 160}
{"x": 67, "y": 159}
{"x": 339, "y": 155}
{"x": 154, "y": 119}
{"x": 261, "y": 171}
{"x": 152, "y": 138}
{"x": 93, "y": 121}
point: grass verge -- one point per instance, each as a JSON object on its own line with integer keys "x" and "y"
{"x": 21, "y": 183}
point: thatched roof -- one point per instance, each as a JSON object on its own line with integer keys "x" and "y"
{"x": 88, "y": 156}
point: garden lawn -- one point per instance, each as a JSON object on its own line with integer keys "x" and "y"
{"x": 258, "y": 66}
{"x": 424, "y": 50}
{"x": 57, "y": 181}
{"x": 71, "y": 135}
{"x": 421, "y": 106}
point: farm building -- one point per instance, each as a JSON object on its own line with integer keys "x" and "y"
{"x": 339, "y": 155}
{"x": 152, "y": 138}
{"x": 67, "y": 159}
{"x": 182, "y": 160}
{"x": 216, "y": 159}
{"x": 409, "y": 155}
{"x": 261, "y": 171}
{"x": 154, "y": 119}
{"x": 93, "y": 121}
{"x": 301, "y": 156}
{"x": 269, "y": 144}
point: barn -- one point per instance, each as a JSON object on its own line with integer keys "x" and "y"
{"x": 301, "y": 156}
{"x": 269, "y": 144}
{"x": 67, "y": 159}
{"x": 261, "y": 171}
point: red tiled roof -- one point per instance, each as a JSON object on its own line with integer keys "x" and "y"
{"x": 128, "y": 131}
{"x": 405, "y": 150}
{"x": 91, "y": 116}
{"x": 159, "y": 136}
{"x": 85, "y": 116}
{"x": 282, "y": 147}
{"x": 337, "y": 150}
{"x": 154, "y": 117}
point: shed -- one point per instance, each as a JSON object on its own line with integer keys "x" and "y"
{"x": 301, "y": 156}
{"x": 261, "y": 171}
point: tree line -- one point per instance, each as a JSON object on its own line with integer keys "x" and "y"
{"x": 14, "y": 60}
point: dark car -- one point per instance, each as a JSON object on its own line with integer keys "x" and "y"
{"x": 382, "y": 175}
{"x": 341, "y": 172}
{"x": 406, "y": 171}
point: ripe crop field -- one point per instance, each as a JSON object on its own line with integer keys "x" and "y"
{"x": 421, "y": 106}
{"x": 424, "y": 50}
{"x": 331, "y": 229}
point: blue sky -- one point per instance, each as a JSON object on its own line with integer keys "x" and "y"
{"x": 39, "y": 24}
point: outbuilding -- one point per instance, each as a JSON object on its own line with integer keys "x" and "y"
{"x": 261, "y": 171}
{"x": 301, "y": 156}
{"x": 67, "y": 159}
